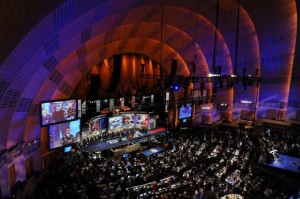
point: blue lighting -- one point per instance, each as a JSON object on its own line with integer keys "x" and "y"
{"x": 175, "y": 87}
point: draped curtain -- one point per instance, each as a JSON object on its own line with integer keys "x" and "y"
{"x": 125, "y": 76}
{"x": 130, "y": 82}
{"x": 12, "y": 176}
{"x": 105, "y": 72}
{"x": 49, "y": 159}
{"x": 44, "y": 139}
{"x": 29, "y": 166}
{"x": 149, "y": 70}
{"x": 133, "y": 76}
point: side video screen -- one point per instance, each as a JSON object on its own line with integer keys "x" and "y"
{"x": 64, "y": 134}
{"x": 53, "y": 112}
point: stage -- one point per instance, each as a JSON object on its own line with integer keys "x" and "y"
{"x": 114, "y": 142}
{"x": 287, "y": 163}
{"x": 152, "y": 151}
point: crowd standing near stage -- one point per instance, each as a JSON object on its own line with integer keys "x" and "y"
{"x": 205, "y": 164}
{"x": 126, "y": 132}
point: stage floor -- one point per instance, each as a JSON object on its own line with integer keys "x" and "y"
{"x": 152, "y": 151}
{"x": 287, "y": 163}
{"x": 111, "y": 143}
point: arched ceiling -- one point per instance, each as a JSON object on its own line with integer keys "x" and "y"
{"x": 48, "y": 46}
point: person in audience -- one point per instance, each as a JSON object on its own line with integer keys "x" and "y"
{"x": 184, "y": 169}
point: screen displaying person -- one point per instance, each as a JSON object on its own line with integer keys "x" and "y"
{"x": 46, "y": 118}
{"x": 71, "y": 112}
{"x": 57, "y": 114}
{"x": 68, "y": 138}
{"x": 95, "y": 126}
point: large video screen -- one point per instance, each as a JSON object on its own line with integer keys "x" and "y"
{"x": 141, "y": 120}
{"x": 68, "y": 149}
{"x": 64, "y": 134}
{"x": 103, "y": 124}
{"x": 97, "y": 125}
{"x": 185, "y": 111}
{"x": 128, "y": 120}
{"x": 115, "y": 122}
{"x": 94, "y": 126}
{"x": 53, "y": 112}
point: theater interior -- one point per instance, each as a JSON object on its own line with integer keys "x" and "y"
{"x": 149, "y": 99}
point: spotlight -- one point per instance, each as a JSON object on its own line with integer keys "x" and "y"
{"x": 175, "y": 87}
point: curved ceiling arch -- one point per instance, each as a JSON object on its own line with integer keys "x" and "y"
{"x": 189, "y": 6}
{"x": 249, "y": 51}
{"x": 58, "y": 38}
{"x": 35, "y": 58}
{"x": 48, "y": 91}
{"x": 19, "y": 115}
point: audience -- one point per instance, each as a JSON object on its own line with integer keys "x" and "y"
{"x": 205, "y": 164}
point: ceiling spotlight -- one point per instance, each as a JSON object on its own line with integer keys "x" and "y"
{"x": 175, "y": 87}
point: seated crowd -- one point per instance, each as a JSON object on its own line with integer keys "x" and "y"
{"x": 206, "y": 164}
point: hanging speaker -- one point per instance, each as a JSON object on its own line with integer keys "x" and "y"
{"x": 193, "y": 67}
{"x": 173, "y": 67}
{"x": 117, "y": 66}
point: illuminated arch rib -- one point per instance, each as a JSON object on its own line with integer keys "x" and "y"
{"x": 53, "y": 61}
{"x": 48, "y": 86}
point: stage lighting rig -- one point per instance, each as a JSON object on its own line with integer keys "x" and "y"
{"x": 175, "y": 87}
{"x": 211, "y": 78}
